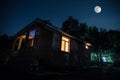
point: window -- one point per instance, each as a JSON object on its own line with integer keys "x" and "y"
{"x": 87, "y": 45}
{"x": 31, "y": 38}
{"x": 22, "y": 41}
{"x": 65, "y": 44}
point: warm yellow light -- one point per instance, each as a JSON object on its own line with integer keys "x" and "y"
{"x": 65, "y": 38}
{"x": 65, "y": 44}
{"x": 67, "y": 47}
{"x": 32, "y": 42}
{"x": 88, "y": 44}
{"x": 31, "y": 37}
{"x": 23, "y": 36}
{"x": 86, "y": 47}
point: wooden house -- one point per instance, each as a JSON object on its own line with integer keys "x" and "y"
{"x": 44, "y": 43}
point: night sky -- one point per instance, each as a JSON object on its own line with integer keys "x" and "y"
{"x": 16, "y": 14}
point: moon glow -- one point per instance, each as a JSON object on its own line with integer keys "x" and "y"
{"x": 97, "y": 9}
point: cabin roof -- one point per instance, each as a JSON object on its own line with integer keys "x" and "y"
{"x": 47, "y": 26}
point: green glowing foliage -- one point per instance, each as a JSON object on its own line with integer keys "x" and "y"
{"x": 106, "y": 56}
{"x": 94, "y": 57}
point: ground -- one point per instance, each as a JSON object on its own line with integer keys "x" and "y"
{"x": 10, "y": 72}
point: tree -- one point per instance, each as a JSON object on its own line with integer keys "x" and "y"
{"x": 70, "y": 26}
{"x": 48, "y": 22}
{"x": 83, "y": 30}
{"x": 5, "y": 47}
{"x": 93, "y": 35}
{"x": 101, "y": 41}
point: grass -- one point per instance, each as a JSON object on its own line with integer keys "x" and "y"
{"x": 12, "y": 72}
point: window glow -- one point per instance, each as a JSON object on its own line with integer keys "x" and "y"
{"x": 65, "y": 45}
{"x": 86, "y": 47}
{"x": 30, "y": 39}
{"x": 88, "y": 44}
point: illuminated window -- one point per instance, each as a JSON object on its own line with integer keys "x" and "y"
{"x": 87, "y": 45}
{"x": 31, "y": 38}
{"x": 65, "y": 45}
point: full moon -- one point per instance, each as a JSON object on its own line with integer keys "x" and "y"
{"x": 97, "y": 9}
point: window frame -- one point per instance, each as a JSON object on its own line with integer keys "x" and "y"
{"x": 65, "y": 45}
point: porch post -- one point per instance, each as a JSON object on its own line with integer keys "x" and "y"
{"x": 26, "y": 40}
{"x": 19, "y": 44}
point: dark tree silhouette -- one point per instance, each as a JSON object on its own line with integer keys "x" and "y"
{"x": 48, "y": 22}
{"x": 83, "y": 30}
{"x": 70, "y": 26}
{"x": 5, "y": 47}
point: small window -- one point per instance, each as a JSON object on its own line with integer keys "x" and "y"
{"x": 65, "y": 44}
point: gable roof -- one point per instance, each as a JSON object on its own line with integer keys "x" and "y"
{"x": 47, "y": 26}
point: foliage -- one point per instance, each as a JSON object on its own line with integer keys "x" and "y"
{"x": 101, "y": 39}
{"x": 70, "y": 26}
